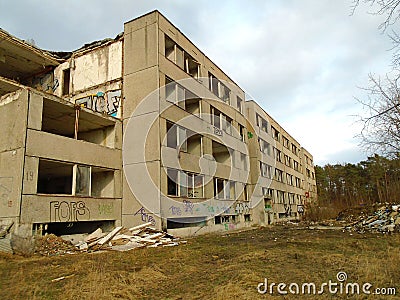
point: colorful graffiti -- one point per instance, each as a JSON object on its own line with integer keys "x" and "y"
{"x": 146, "y": 217}
{"x": 102, "y": 102}
{"x": 68, "y": 211}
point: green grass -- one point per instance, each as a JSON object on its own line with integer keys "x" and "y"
{"x": 209, "y": 267}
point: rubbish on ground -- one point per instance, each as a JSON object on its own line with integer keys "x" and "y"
{"x": 385, "y": 219}
{"x": 119, "y": 239}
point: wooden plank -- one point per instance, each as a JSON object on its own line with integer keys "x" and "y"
{"x": 109, "y": 236}
{"x": 140, "y": 226}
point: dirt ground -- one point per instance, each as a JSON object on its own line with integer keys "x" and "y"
{"x": 227, "y": 266}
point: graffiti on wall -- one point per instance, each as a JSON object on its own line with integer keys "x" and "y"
{"x": 146, "y": 217}
{"x": 102, "y": 102}
{"x": 242, "y": 208}
{"x": 106, "y": 209}
{"x": 46, "y": 83}
{"x": 63, "y": 211}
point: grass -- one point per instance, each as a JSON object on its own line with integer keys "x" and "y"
{"x": 209, "y": 267}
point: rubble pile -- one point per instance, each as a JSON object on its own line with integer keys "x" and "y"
{"x": 385, "y": 219}
{"x": 51, "y": 244}
{"x": 119, "y": 239}
{"x": 123, "y": 239}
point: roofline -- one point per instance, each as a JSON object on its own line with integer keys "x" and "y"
{"x": 4, "y": 35}
{"x": 160, "y": 13}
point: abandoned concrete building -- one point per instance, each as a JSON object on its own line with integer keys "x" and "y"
{"x": 140, "y": 128}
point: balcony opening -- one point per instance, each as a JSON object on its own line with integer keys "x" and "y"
{"x": 60, "y": 119}
{"x": 221, "y": 153}
{"x": 54, "y": 177}
{"x": 194, "y": 144}
{"x": 102, "y": 183}
{"x": 193, "y": 106}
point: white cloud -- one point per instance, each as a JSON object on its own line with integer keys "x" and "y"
{"x": 302, "y": 60}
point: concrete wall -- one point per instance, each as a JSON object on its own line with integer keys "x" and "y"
{"x": 13, "y": 121}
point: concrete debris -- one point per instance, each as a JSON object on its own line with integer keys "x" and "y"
{"x": 50, "y": 245}
{"x": 119, "y": 239}
{"x": 385, "y": 219}
{"x": 5, "y": 229}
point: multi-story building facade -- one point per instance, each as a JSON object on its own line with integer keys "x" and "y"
{"x": 143, "y": 128}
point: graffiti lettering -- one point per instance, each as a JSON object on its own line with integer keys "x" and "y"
{"x": 145, "y": 216}
{"x": 103, "y": 103}
{"x": 106, "y": 209}
{"x": 68, "y": 211}
{"x": 188, "y": 206}
{"x": 175, "y": 210}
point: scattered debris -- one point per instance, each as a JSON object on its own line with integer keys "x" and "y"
{"x": 385, "y": 219}
{"x": 119, "y": 239}
{"x": 51, "y": 244}
{"x": 62, "y": 278}
{"x": 5, "y": 229}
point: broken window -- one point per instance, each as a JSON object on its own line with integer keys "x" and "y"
{"x": 278, "y": 175}
{"x": 275, "y": 133}
{"x": 224, "y": 189}
{"x": 221, "y": 153}
{"x": 218, "y": 88}
{"x": 265, "y": 170}
{"x": 243, "y": 160}
{"x": 221, "y": 121}
{"x": 280, "y": 195}
{"x": 294, "y": 149}
{"x": 82, "y": 180}
{"x": 181, "y": 58}
{"x": 184, "y": 184}
{"x": 296, "y": 165}
{"x": 239, "y": 104}
{"x": 242, "y": 133}
{"x": 298, "y": 182}
{"x": 66, "y": 81}
{"x": 176, "y": 137}
{"x": 278, "y": 155}
{"x": 289, "y": 179}
{"x": 247, "y": 217}
{"x": 174, "y": 92}
{"x": 264, "y": 146}
{"x": 285, "y": 142}
{"x": 262, "y": 123}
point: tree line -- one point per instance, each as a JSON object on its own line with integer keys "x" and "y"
{"x": 376, "y": 179}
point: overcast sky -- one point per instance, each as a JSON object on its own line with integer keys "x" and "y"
{"x": 303, "y": 61}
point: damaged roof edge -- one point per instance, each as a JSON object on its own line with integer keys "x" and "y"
{"x": 4, "y": 35}
{"x": 87, "y": 47}
{"x": 56, "y": 57}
